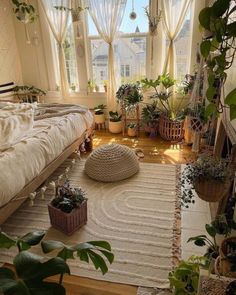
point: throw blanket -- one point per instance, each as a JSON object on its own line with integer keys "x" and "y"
{"x": 44, "y": 111}
{"x": 15, "y": 122}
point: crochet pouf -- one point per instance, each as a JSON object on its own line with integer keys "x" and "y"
{"x": 111, "y": 162}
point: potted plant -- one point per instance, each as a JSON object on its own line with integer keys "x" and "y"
{"x": 68, "y": 210}
{"x": 208, "y": 176}
{"x": 96, "y": 88}
{"x": 150, "y": 117}
{"x": 99, "y": 114}
{"x": 31, "y": 271}
{"x": 171, "y": 123}
{"x": 184, "y": 278}
{"x": 91, "y": 85}
{"x": 129, "y": 95}
{"x": 24, "y": 12}
{"x": 115, "y": 123}
{"x": 105, "y": 82}
{"x": 131, "y": 129}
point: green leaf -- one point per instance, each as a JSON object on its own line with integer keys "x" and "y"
{"x": 211, "y": 109}
{"x": 66, "y": 253}
{"x": 204, "y": 17}
{"x": 231, "y": 97}
{"x": 101, "y": 244}
{"x": 49, "y": 246}
{"x": 219, "y": 8}
{"x": 9, "y": 284}
{"x": 6, "y": 241}
{"x": 46, "y": 288}
{"x": 98, "y": 261}
{"x": 232, "y": 112}
{"x": 108, "y": 255}
{"x": 232, "y": 29}
{"x": 83, "y": 255}
{"x": 210, "y": 230}
{"x": 211, "y": 79}
{"x": 210, "y": 93}
{"x": 200, "y": 242}
{"x": 205, "y": 48}
{"x": 33, "y": 238}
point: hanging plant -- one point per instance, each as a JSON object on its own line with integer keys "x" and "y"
{"x": 75, "y": 12}
{"x": 24, "y": 12}
{"x": 218, "y": 48}
{"x": 153, "y": 21}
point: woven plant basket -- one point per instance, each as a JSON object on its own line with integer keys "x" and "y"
{"x": 68, "y": 222}
{"x": 211, "y": 190}
{"x": 224, "y": 264}
{"x": 171, "y": 129}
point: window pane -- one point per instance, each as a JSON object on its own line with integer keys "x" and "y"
{"x": 70, "y": 56}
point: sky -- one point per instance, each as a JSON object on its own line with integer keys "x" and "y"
{"x": 128, "y": 25}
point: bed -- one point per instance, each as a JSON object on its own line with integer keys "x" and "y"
{"x": 57, "y": 130}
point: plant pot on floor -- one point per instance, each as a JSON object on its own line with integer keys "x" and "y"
{"x": 68, "y": 222}
{"x": 172, "y": 130}
{"x": 131, "y": 132}
{"x": 99, "y": 119}
{"x": 211, "y": 190}
{"x": 115, "y": 127}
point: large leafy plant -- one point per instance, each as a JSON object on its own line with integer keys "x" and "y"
{"x": 218, "y": 48}
{"x": 129, "y": 94}
{"x": 31, "y": 270}
{"x": 184, "y": 278}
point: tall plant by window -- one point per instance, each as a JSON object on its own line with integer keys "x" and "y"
{"x": 218, "y": 48}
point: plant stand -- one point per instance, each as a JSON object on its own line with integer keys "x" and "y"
{"x": 68, "y": 222}
{"x": 125, "y": 119}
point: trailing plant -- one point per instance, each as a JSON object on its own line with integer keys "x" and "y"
{"x": 184, "y": 278}
{"x": 68, "y": 198}
{"x": 218, "y": 49}
{"x": 167, "y": 102}
{"x": 99, "y": 110}
{"x": 31, "y": 270}
{"x": 153, "y": 21}
{"x": 24, "y": 12}
{"x": 115, "y": 116}
{"x": 205, "y": 168}
{"x": 29, "y": 89}
{"x": 129, "y": 94}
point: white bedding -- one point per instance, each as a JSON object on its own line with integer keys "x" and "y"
{"x": 49, "y": 137}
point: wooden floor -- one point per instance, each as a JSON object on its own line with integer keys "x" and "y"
{"x": 156, "y": 151}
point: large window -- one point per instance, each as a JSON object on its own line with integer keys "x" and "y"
{"x": 130, "y": 47}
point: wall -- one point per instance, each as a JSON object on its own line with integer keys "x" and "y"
{"x": 10, "y": 66}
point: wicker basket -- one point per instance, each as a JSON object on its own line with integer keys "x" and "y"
{"x": 224, "y": 264}
{"x": 211, "y": 190}
{"x": 68, "y": 222}
{"x": 171, "y": 129}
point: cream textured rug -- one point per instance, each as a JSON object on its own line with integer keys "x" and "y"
{"x": 139, "y": 216}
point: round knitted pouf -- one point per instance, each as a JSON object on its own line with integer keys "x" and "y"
{"x": 111, "y": 162}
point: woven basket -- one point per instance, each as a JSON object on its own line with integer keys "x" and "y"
{"x": 224, "y": 264}
{"x": 211, "y": 190}
{"x": 68, "y": 222}
{"x": 171, "y": 129}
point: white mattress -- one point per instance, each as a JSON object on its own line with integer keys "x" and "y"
{"x": 24, "y": 161}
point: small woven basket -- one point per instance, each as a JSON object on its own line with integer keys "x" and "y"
{"x": 211, "y": 190}
{"x": 68, "y": 222}
{"x": 172, "y": 130}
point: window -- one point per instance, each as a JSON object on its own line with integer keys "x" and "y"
{"x": 130, "y": 48}
{"x": 70, "y": 57}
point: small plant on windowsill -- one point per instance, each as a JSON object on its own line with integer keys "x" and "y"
{"x": 31, "y": 271}
{"x": 115, "y": 122}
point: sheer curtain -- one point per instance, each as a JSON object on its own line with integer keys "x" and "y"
{"x": 57, "y": 20}
{"x": 107, "y": 17}
{"x": 173, "y": 15}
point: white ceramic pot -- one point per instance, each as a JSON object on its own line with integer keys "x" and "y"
{"x": 115, "y": 127}
{"x": 131, "y": 132}
{"x": 99, "y": 119}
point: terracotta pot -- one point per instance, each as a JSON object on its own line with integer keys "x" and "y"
{"x": 131, "y": 132}
{"x": 68, "y": 222}
{"x": 115, "y": 127}
{"x": 211, "y": 190}
{"x": 99, "y": 119}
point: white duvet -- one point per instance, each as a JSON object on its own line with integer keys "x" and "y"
{"x": 49, "y": 137}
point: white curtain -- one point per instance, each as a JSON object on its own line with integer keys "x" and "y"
{"x": 107, "y": 16}
{"x": 173, "y": 15}
{"x": 57, "y": 20}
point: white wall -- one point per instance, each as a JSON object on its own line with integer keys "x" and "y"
{"x": 10, "y": 66}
